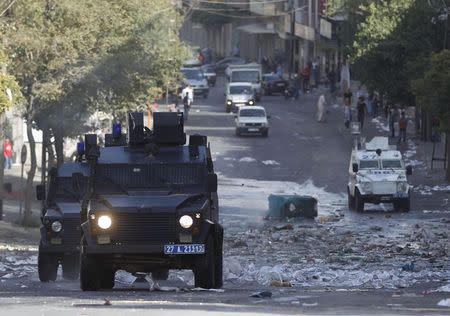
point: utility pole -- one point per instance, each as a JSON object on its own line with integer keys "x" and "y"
{"x": 292, "y": 38}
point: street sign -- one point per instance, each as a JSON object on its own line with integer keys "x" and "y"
{"x": 23, "y": 154}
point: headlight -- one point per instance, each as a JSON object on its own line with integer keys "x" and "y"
{"x": 104, "y": 222}
{"x": 229, "y": 102}
{"x": 367, "y": 186}
{"x": 402, "y": 186}
{"x": 186, "y": 221}
{"x": 251, "y": 102}
{"x": 56, "y": 226}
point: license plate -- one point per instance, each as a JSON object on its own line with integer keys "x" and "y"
{"x": 385, "y": 198}
{"x": 184, "y": 249}
{"x": 400, "y": 195}
{"x": 280, "y": 84}
{"x": 240, "y": 104}
{"x": 253, "y": 130}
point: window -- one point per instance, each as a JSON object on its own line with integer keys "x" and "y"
{"x": 240, "y": 90}
{"x": 368, "y": 164}
{"x": 245, "y": 76}
{"x": 252, "y": 113}
{"x": 193, "y": 74}
{"x": 396, "y": 164}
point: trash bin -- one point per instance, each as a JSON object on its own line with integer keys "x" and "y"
{"x": 287, "y": 206}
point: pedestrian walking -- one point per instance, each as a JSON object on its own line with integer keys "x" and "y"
{"x": 321, "y": 109}
{"x": 348, "y": 106}
{"x": 376, "y": 105}
{"x": 186, "y": 106}
{"x": 402, "y": 125}
{"x": 280, "y": 71}
{"x": 392, "y": 119}
{"x": 306, "y": 74}
{"x": 7, "y": 153}
{"x": 361, "y": 108}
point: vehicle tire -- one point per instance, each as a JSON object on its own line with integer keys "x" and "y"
{"x": 107, "y": 279}
{"x": 397, "y": 205}
{"x": 204, "y": 267}
{"x": 89, "y": 273}
{"x": 265, "y": 133}
{"x": 406, "y": 204}
{"x": 205, "y": 96}
{"x": 47, "y": 267}
{"x": 162, "y": 274}
{"x": 351, "y": 200}
{"x": 218, "y": 264}
{"x": 359, "y": 202}
{"x": 238, "y": 132}
{"x": 227, "y": 109}
{"x": 70, "y": 267}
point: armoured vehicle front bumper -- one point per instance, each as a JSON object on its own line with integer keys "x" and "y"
{"x": 59, "y": 249}
{"x": 384, "y": 198}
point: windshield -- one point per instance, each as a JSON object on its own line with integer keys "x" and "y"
{"x": 245, "y": 76}
{"x": 119, "y": 178}
{"x": 252, "y": 113}
{"x": 192, "y": 74}
{"x": 396, "y": 164}
{"x": 368, "y": 164}
{"x": 240, "y": 90}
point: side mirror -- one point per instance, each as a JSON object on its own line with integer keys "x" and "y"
{"x": 40, "y": 192}
{"x": 225, "y": 94}
{"x": 235, "y": 116}
{"x": 212, "y": 182}
{"x": 409, "y": 170}
{"x": 355, "y": 167}
{"x": 268, "y": 116}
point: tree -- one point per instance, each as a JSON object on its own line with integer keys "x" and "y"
{"x": 433, "y": 92}
{"x": 74, "y": 57}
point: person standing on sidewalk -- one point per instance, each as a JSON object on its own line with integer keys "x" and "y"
{"x": 362, "y": 110}
{"x": 402, "y": 125}
{"x": 348, "y": 106}
{"x": 321, "y": 109}
{"x": 392, "y": 120}
{"x": 315, "y": 71}
{"x": 8, "y": 153}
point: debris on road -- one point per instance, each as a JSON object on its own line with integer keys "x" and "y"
{"x": 445, "y": 302}
{"x": 262, "y": 294}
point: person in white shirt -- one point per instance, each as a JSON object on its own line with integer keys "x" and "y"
{"x": 188, "y": 91}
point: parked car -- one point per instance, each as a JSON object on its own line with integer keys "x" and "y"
{"x": 210, "y": 74}
{"x": 252, "y": 120}
{"x": 273, "y": 84}
{"x": 238, "y": 94}
{"x": 197, "y": 80}
{"x": 223, "y": 64}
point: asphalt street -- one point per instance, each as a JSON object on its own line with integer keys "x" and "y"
{"x": 298, "y": 150}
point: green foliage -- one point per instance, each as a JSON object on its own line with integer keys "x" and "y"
{"x": 391, "y": 45}
{"x": 91, "y": 55}
{"x": 433, "y": 90}
{"x": 7, "y": 84}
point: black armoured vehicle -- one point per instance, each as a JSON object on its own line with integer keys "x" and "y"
{"x": 151, "y": 205}
{"x": 60, "y": 218}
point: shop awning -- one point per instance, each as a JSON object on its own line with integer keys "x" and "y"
{"x": 256, "y": 29}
